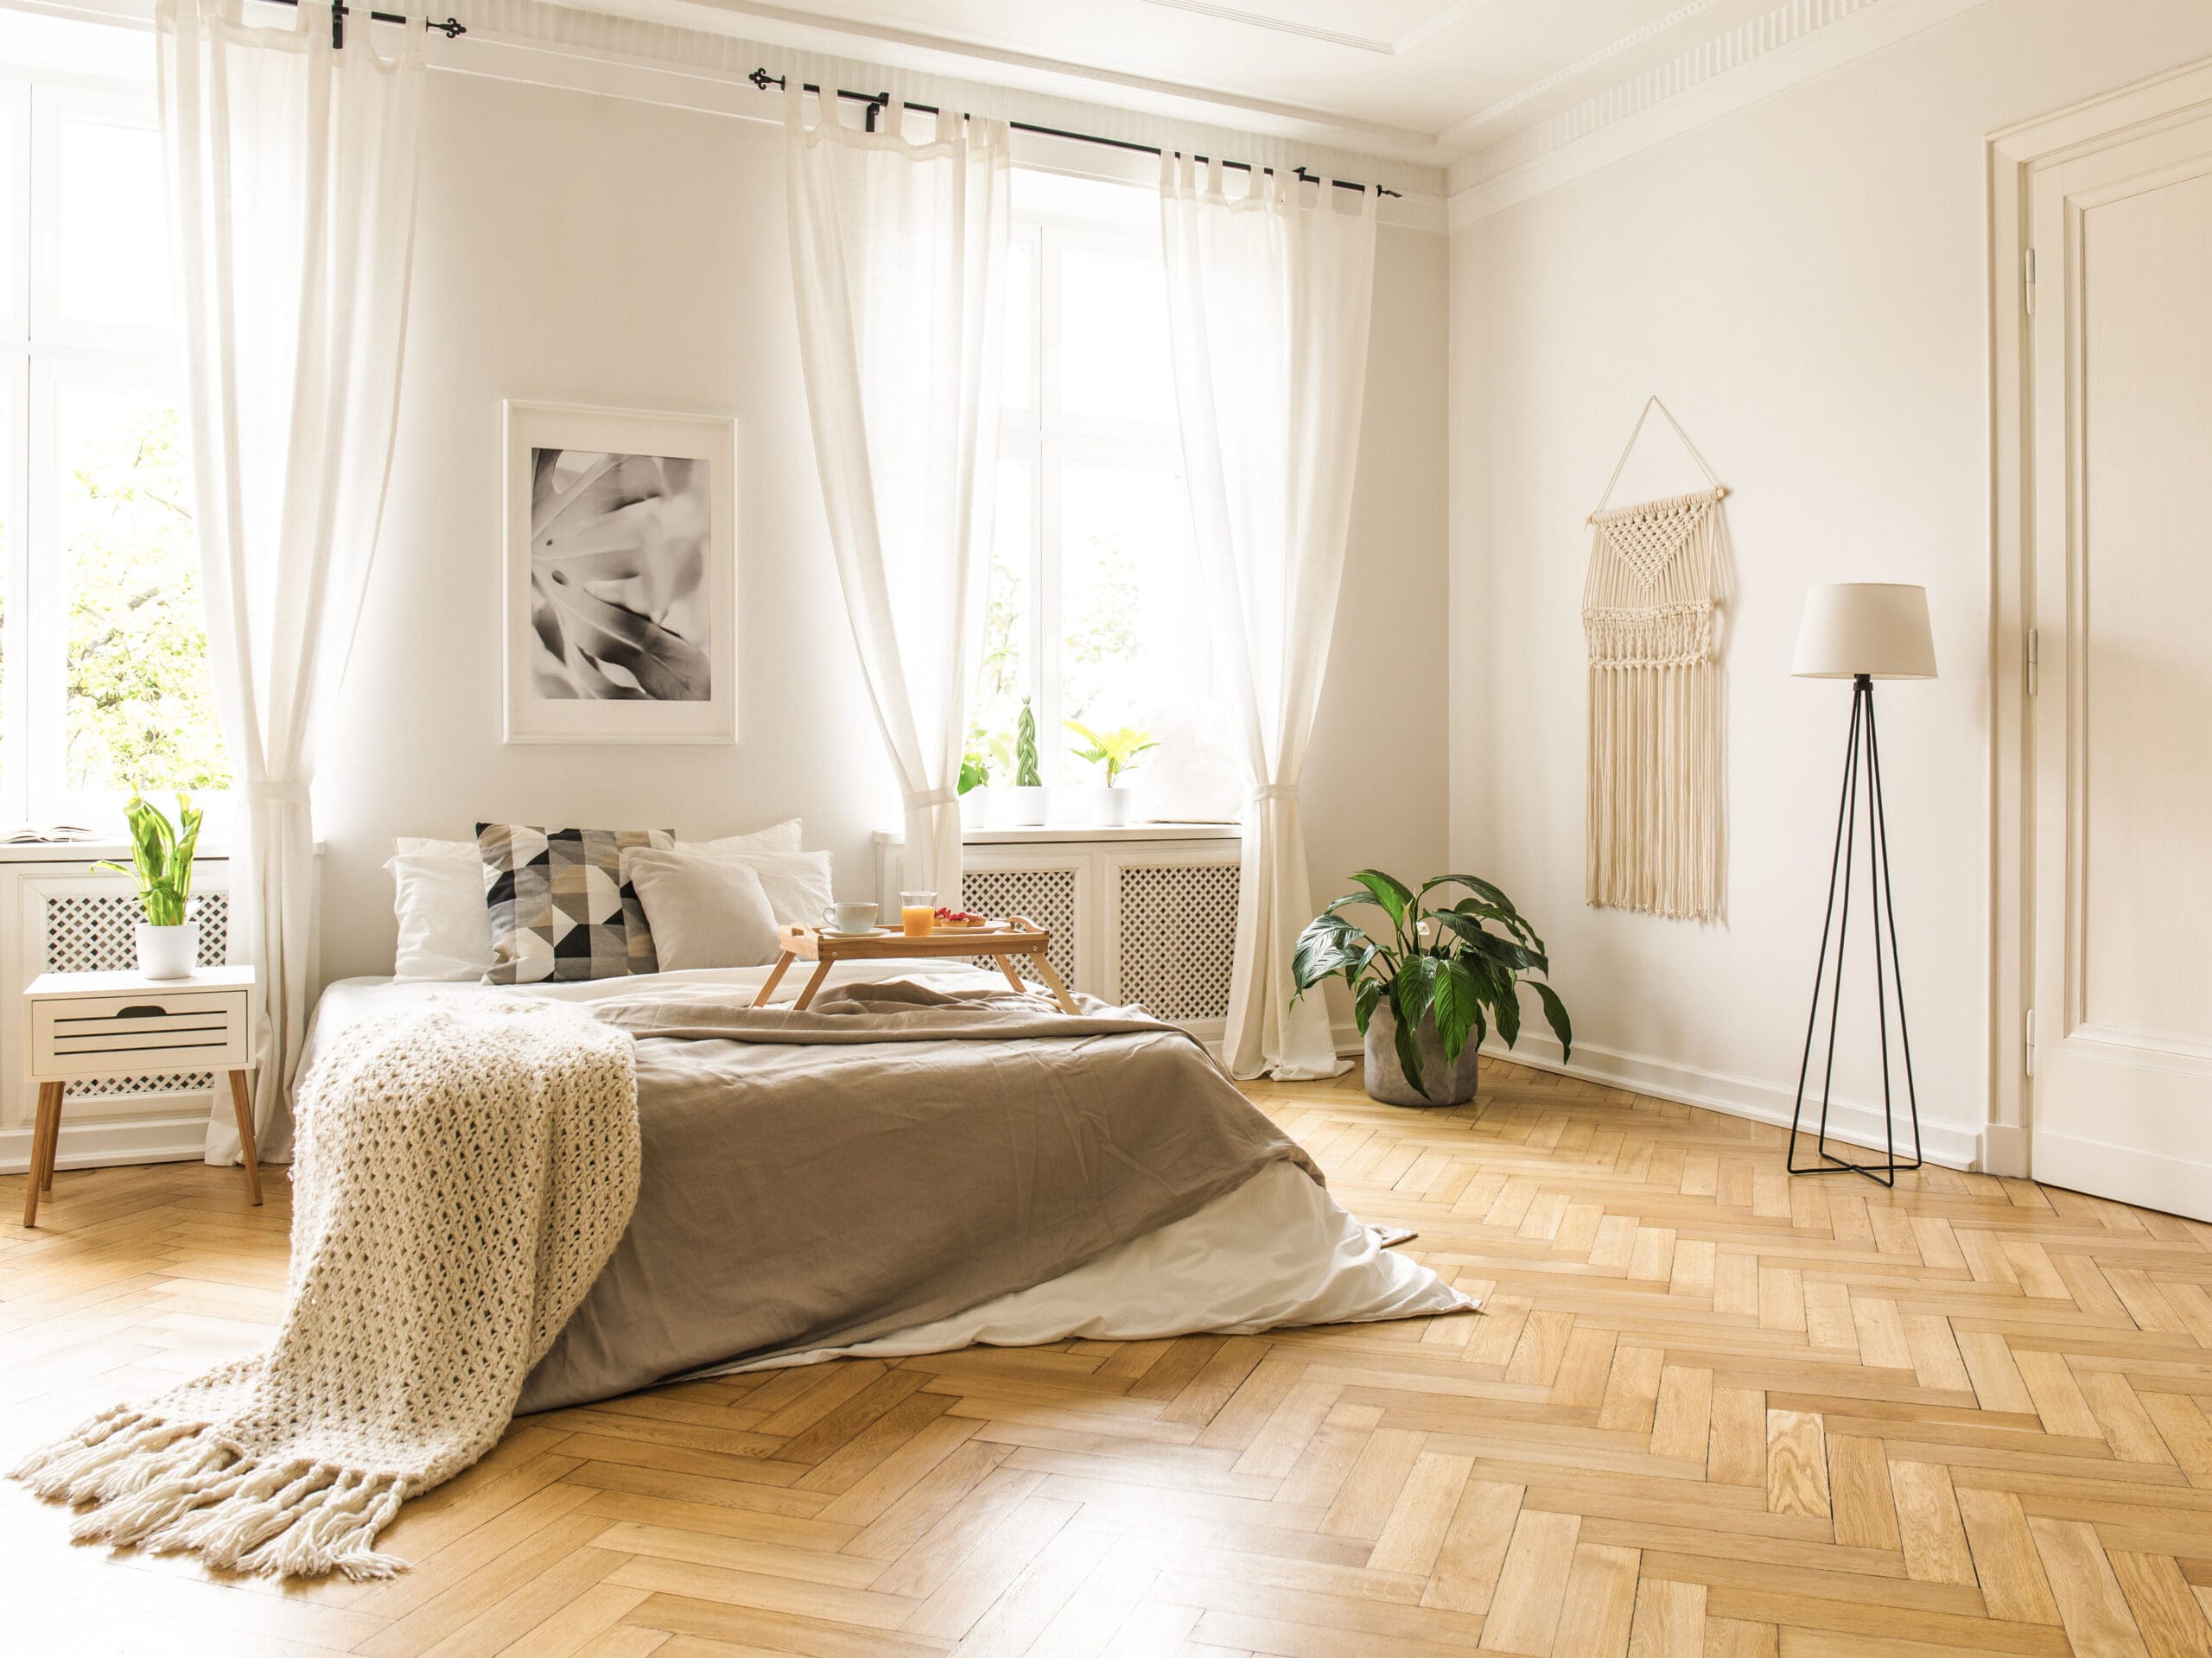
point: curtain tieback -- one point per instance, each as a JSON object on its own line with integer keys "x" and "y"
{"x": 1275, "y": 792}
{"x": 932, "y": 797}
{"x": 288, "y": 794}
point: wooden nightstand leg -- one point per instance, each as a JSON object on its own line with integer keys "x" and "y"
{"x": 53, "y": 1135}
{"x": 775, "y": 977}
{"x": 1053, "y": 983}
{"x": 242, "y": 1103}
{"x": 46, "y": 1132}
{"x": 806, "y": 996}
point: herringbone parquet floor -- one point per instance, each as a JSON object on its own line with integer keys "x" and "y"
{"x": 1708, "y": 1410}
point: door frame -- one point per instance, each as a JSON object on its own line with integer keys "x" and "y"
{"x": 2015, "y": 157}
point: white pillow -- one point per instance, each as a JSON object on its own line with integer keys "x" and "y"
{"x": 777, "y": 837}
{"x": 797, "y": 883}
{"x": 705, "y": 911}
{"x": 418, "y": 845}
{"x": 445, "y": 927}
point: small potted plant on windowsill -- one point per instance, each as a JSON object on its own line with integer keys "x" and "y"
{"x": 1111, "y": 806}
{"x": 160, "y": 858}
{"x": 1427, "y": 991}
{"x": 1026, "y": 802}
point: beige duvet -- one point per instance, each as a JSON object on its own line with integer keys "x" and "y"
{"x": 897, "y": 1153}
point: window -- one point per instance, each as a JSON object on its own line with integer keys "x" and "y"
{"x": 1093, "y": 608}
{"x": 103, "y": 675}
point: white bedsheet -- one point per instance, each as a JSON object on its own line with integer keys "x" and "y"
{"x": 1278, "y": 1251}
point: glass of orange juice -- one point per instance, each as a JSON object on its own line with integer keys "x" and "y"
{"x": 916, "y": 913}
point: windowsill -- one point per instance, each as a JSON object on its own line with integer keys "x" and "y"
{"x": 1079, "y": 834}
{"x": 105, "y": 847}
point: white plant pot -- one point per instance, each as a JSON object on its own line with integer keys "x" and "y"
{"x": 1117, "y": 807}
{"x": 1019, "y": 808}
{"x": 974, "y": 805}
{"x": 168, "y": 952}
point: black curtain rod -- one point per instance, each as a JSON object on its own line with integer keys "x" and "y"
{"x": 877, "y": 102}
{"x": 450, "y": 29}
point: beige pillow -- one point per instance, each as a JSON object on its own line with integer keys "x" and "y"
{"x": 703, "y": 911}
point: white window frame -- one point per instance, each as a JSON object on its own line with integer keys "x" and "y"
{"x": 1048, "y": 439}
{"x": 40, "y": 352}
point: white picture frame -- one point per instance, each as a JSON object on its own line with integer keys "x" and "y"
{"x": 653, "y": 496}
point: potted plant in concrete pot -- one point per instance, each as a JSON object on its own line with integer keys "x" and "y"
{"x": 1028, "y": 802}
{"x": 1115, "y": 751}
{"x": 1427, "y": 990}
{"x": 161, "y": 860}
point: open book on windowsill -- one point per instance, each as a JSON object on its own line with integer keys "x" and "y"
{"x": 42, "y": 834}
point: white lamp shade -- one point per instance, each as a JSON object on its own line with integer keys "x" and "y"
{"x": 1875, "y": 628}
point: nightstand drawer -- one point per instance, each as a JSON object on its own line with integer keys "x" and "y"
{"x": 138, "y": 1031}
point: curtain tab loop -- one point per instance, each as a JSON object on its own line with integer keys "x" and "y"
{"x": 932, "y": 797}
{"x": 1275, "y": 792}
{"x": 287, "y": 794}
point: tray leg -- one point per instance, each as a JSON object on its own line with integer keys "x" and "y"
{"x": 814, "y": 983}
{"x": 775, "y": 977}
{"x": 242, "y": 1103}
{"x": 1053, "y": 983}
{"x": 45, "y": 1134}
{"x": 1006, "y": 966}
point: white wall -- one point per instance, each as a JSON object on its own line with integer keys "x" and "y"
{"x": 585, "y": 249}
{"x": 1803, "y": 282}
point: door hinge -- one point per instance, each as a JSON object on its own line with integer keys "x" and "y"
{"x": 2028, "y": 279}
{"x": 2028, "y": 1044}
{"x": 2033, "y": 658}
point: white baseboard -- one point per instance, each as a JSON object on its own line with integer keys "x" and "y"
{"x": 2005, "y": 1150}
{"x": 179, "y": 1138}
{"x": 1854, "y": 1123}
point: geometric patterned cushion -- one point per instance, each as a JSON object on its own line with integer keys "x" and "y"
{"x": 559, "y": 909}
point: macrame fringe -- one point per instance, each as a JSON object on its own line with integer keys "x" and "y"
{"x": 1656, "y": 807}
{"x": 174, "y": 1487}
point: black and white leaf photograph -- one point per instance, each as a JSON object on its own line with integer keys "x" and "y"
{"x": 619, "y": 590}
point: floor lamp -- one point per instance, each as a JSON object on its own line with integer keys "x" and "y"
{"x": 1861, "y": 632}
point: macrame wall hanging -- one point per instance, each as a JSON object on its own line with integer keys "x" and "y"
{"x": 1657, "y": 766}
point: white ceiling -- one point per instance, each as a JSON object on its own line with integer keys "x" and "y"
{"x": 1425, "y": 80}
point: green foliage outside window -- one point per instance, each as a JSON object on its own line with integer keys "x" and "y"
{"x": 141, "y": 709}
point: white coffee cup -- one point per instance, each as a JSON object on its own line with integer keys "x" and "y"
{"x": 848, "y": 918}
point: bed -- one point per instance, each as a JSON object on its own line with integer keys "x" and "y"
{"x": 907, "y": 1183}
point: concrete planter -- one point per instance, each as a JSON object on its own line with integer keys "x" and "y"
{"x": 1448, "y": 1085}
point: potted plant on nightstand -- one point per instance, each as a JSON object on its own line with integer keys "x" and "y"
{"x": 161, "y": 857}
{"x": 1117, "y": 750}
{"x": 1427, "y": 991}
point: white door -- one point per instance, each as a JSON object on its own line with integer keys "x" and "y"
{"x": 2120, "y": 1100}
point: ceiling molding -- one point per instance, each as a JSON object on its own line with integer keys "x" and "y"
{"x": 1456, "y": 139}
{"x": 1397, "y": 46}
{"x": 1781, "y": 48}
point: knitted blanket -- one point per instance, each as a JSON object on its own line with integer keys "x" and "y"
{"x": 462, "y": 1172}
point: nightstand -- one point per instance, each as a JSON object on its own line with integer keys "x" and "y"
{"x": 92, "y": 1025}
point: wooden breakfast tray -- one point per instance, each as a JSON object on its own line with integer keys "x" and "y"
{"x": 1018, "y": 936}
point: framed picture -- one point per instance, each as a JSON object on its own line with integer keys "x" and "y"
{"x": 621, "y": 592}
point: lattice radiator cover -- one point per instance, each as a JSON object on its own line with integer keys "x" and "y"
{"x": 95, "y": 932}
{"x": 1176, "y": 938}
{"x": 1046, "y": 896}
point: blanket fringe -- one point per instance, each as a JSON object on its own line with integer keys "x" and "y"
{"x": 176, "y": 1487}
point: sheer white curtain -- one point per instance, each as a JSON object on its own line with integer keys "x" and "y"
{"x": 1269, "y": 300}
{"x": 291, "y": 176}
{"x": 898, "y": 256}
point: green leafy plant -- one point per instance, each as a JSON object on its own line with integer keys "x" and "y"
{"x": 1115, "y": 750}
{"x": 1026, "y": 774}
{"x": 1434, "y": 959}
{"x": 161, "y": 857}
{"x": 974, "y": 764}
